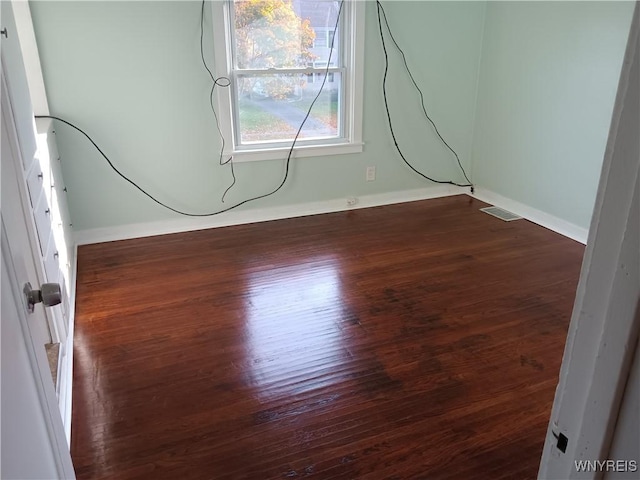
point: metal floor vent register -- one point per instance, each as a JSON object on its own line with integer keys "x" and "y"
{"x": 501, "y": 213}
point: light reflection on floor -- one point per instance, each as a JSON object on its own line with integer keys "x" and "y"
{"x": 289, "y": 346}
{"x": 97, "y": 432}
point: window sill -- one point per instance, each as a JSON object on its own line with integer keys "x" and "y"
{"x": 299, "y": 152}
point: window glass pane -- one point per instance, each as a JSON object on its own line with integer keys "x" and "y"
{"x": 272, "y": 107}
{"x": 285, "y": 33}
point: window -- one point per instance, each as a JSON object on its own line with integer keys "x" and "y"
{"x": 276, "y": 54}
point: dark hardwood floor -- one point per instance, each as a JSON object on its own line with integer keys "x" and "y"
{"x": 420, "y": 340}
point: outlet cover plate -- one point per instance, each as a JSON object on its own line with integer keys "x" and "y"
{"x": 371, "y": 173}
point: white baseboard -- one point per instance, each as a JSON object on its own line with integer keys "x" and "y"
{"x": 139, "y": 230}
{"x": 534, "y": 215}
{"x": 98, "y": 235}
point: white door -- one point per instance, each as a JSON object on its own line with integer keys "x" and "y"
{"x": 31, "y": 431}
{"x": 40, "y": 184}
{"x": 27, "y": 450}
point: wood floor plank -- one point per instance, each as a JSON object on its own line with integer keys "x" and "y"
{"x": 420, "y": 340}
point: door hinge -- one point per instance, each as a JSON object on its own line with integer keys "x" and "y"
{"x": 563, "y": 441}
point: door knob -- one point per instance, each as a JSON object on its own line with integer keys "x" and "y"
{"x": 49, "y": 294}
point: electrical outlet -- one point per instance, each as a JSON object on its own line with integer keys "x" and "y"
{"x": 351, "y": 201}
{"x": 371, "y": 173}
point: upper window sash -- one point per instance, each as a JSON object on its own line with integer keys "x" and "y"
{"x": 305, "y": 32}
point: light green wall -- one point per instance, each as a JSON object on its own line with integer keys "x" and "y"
{"x": 129, "y": 73}
{"x": 524, "y": 95}
{"x": 548, "y": 80}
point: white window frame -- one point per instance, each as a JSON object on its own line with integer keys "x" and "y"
{"x": 353, "y": 43}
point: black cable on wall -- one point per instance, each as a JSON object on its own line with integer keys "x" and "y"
{"x": 222, "y": 82}
{"x": 383, "y": 16}
{"x": 225, "y": 82}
